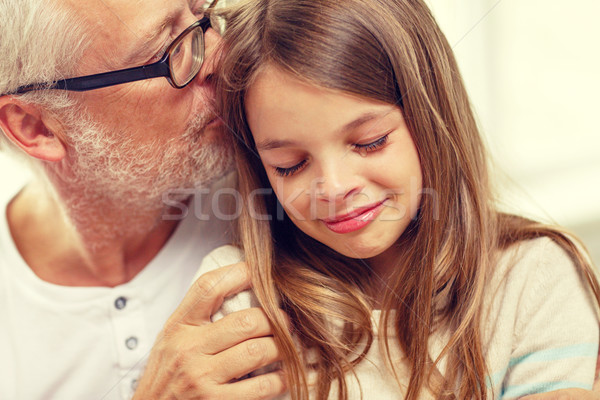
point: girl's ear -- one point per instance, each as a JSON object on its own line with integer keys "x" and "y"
{"x": 25, "y": 126}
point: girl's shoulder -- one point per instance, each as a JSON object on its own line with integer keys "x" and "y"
{"x": 528, "y": 260}
{"x": 536, "y": 291}
{"x": 540, "y": 322}
{"x": 536, "y": 273}
{"x": 221, "y": 257}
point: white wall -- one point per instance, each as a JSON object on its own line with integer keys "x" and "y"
{"x": 532, "y": 68}
{"x": 13, "y": 174}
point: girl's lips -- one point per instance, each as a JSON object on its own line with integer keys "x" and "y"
{"x": 354, "y": 220}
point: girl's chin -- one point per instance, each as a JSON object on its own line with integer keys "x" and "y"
{"x": 352, "y": 252}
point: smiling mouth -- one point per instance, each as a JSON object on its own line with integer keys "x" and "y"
{"x": 354, "y": 220}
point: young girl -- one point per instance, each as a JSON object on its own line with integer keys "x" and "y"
{"x": 370, "y": 220}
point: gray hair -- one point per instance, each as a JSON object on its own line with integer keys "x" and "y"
{"x": 41, "y": 41}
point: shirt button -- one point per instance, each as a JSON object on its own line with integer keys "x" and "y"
{"x": 120, "y": 303}
{"x": 131, "y": 343}
{"x": 134, "y": 384}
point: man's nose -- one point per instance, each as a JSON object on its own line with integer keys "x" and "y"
{"x": 212, "y": 54}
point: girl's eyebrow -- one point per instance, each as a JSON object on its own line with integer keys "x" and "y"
{"x": 271, "y": 144}
{"x": 363, "y": 119}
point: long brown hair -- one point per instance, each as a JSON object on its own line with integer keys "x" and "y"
{"x": 391, "y": 51}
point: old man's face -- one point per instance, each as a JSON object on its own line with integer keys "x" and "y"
{"x": 137, "y": 140}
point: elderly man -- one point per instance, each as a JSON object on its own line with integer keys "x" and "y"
{"x": 98, "y": 251}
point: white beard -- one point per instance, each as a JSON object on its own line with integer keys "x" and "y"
{"x": 108, "y": 175}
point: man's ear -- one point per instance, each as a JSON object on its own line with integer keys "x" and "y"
{"x": 25, "y": 126}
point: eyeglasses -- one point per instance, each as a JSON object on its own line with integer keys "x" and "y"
{"x": 181, "y": 63}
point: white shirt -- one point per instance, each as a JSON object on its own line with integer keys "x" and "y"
{"x": 60, "y": 342}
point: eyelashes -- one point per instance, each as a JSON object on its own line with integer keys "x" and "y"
{"x": 362, "y": 148}
{"x": 368, "y": 147}
{"x": 291, "y": 170}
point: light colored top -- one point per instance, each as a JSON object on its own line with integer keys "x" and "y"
{"x": 65, "y": 343}
{"x": 540, "y": 329}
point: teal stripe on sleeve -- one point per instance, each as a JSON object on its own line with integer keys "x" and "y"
{"x": 496, "y": 378}
{"x": 576, "y": 350}
{"x": 586, "y": 350}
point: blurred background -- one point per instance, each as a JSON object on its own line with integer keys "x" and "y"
{"x": 532, "y": 70}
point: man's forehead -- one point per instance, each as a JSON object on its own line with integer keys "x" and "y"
{"x": 121, "y": 29}
{"x": 135, "y": 19}
{"x": 139, "y": 17}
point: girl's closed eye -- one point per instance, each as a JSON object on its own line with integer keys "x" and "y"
{"x": 372, "y": 146}
{"x": 361, "y": 147}
{"x": 281, "y": 171}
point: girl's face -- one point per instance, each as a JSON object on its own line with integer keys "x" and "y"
{"x": 345, "y": 168}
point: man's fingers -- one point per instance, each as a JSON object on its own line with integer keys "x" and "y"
{"x": 206, "y": 294}
{"x": 181, "y": 363}
{"x": 194, "y": 358}
{"x": 244, "y": 358}
{"x": 235, "y": 328}
{"x": 262, "y": 387}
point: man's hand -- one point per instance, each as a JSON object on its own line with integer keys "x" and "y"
{"x": 194, "y": 358}
{"x": 565, "y": 394}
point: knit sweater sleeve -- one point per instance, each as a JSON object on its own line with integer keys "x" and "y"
{"x": 554, "y": 343}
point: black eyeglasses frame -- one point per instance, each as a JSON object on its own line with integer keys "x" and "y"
{"x": 158, "y": 69}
